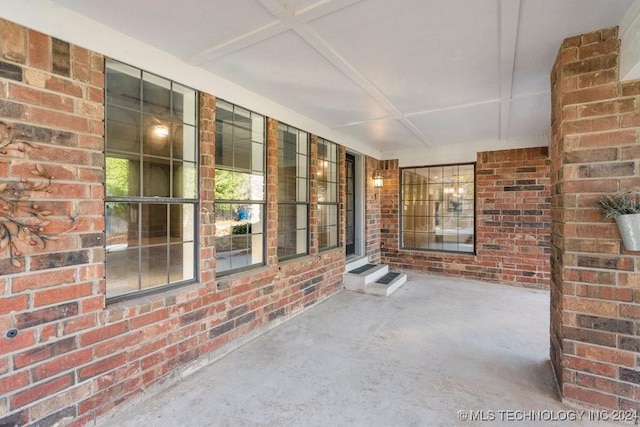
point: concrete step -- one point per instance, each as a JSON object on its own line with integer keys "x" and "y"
{"x": 354, "y": 263}
{"x": 386, "y": 285}
{"x": 357, "y": 279}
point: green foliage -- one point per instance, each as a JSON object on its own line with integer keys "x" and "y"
{"x": 613, "y": 205}
{"x": 241, "y": 229}
{"x": 117, "y": 176}
{"x": 231, "y": 185}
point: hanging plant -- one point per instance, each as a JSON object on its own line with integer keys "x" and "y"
{"x": 626, "y": 211}
{"x": 23, "y": 222}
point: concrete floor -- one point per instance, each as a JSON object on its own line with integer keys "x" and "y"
{"x": 435, "y": 347}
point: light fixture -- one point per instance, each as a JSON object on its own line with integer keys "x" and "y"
{"x": 160, "y": 131}
{"x": 377, "y": 179}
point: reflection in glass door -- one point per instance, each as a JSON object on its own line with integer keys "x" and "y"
{"x": 351, "y": 202}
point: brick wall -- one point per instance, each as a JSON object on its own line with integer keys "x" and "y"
{"x": 75, "y": 358}
{"x": 595, "y": 297}
{"x": 513, "y": 222}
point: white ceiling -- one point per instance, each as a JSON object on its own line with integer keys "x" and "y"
{"x": 392, "y": 74}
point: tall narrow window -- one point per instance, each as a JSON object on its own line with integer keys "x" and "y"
{"x": 327, "y": 194}
{"x": 438, "y": 208}
{"x": 293, "y": 192}
{"x": 240, "y": 188}
{"x": 151, "y": 181}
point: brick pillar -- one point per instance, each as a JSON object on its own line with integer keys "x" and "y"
{"x": 372, "y": 218}
{"x": 207, "y": 190}
{"x": 272, "y": 192}
{"x": 595, "y": 283}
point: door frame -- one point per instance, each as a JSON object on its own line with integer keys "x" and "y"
{"x": 359, "y": 199}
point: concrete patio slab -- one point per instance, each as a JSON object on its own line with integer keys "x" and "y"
{"x": 439, "y": 351}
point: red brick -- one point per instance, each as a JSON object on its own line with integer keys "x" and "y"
{"x": 39, "y": 51}
{"x": 60, "y": 294}
{"x": 13, "y": 382}
{"x": 24, "y": 339}
{"x": 609, "y": 139}
{"x": 103, "y": 333}
{"x": 102, "y": 366}
{"x": 598, "y": 49}
{"x": 14, "y": 41}
{"x": 63, "y": 86}
{"x": 37, "y": 97}
{"x": 606, "y": 355}
{"x": 588, "y": 396}
{"x": 591, "y": 94}
{"x": 117, "y": 344}
{"x": 61, "y": 363}
{"x": 43, "y": 352}
{"x": 585, "y": 365}
{"x": 36, "y": 392}
{"x": 16, "y": 303}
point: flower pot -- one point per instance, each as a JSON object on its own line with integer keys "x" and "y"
{"x": 629, "y": 226}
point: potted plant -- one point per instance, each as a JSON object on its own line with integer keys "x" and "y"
{"x": 625, "y": 208}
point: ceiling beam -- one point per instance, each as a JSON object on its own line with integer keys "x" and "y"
{"x": 508, "y": 22}
{"x": 287, "y": 16}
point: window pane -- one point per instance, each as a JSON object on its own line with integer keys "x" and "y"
{"x": 438, "y": 208}
{"x": 181, "y": 222}
{"x": 257, "y": 128}
{"x": 154, "y": 225}
{"x": 184, "y": 180}
{"x": 156, "y": 177}
{"x": 123, "y": 85}
{"x": 257, "y": 157}
{"x": 156, "y": 95}
{"x": 153, "y": 266}
{"x": 122, "y": 177}
{"x": 239, "y": 235}
{"x": 121, "y": 226}
{"x": 184, "y": 143}
{"x": 181, "y": 262}
{"x": 122, "y": 130}
{"x": 122, "y": 272}
{"x": 184, "y": 104}
{"x": 156, "y": 136}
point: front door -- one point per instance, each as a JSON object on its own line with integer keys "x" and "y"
{"x": 351, "y": 205}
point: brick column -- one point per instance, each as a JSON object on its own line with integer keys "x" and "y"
{"x": 272, "y": 192}
{"x": 207, "y": 190}
{"x": 595, "y": 283}
{"x": 373, "y": 218}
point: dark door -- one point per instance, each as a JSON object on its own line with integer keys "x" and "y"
{"x": 351, "y": 205}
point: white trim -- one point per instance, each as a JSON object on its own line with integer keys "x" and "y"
{"x": 630, "y": 43}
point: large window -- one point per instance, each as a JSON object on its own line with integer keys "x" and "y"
{"x": 293, "y": 192}
{"x": 151, "y": 181}
{"x": 438, "y": 208}
{"x": 240, "y": 188}
{"x": 327, "y": 179}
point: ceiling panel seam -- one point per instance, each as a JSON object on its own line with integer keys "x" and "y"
{"x": 508, "y": 25}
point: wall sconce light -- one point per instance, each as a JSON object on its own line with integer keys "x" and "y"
{"x": 377, "y": 179}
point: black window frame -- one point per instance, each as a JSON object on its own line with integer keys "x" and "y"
{"x": 282, "y": 128}
{"x": 145, "y": 154}
{"x": 404, "y": 217}
{"x": 237, "y": 203}
{"x": 322, "y": 177}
